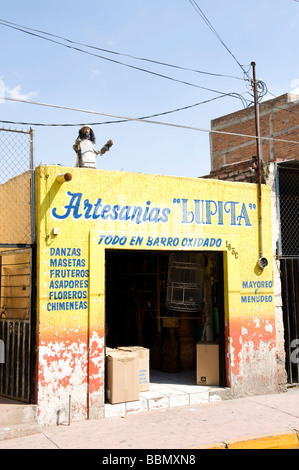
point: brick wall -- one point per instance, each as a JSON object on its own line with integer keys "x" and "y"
{"x": 244, "y": 171}
{"x": 279, "y": 118}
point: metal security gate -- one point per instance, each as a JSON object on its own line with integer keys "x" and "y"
{"x": 290, "y": 297}
{"x": 15, "y": 327}
{"x": 17, "y": 265}
{"x": 287, "y": 190}
{"x": 14, "y": 372}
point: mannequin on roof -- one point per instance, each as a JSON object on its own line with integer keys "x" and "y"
{"x": 84, "y": 148}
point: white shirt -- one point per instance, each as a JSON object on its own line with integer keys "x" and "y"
{"x": 88, "y": 154}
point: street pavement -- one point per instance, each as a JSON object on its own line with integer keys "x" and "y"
{"x": 263, "y": 421}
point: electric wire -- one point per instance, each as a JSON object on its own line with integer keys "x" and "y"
{"x": 208, "y": 23}
{"x": 261, "y": 86}
{"x": 117, "y": 61}
{"x": 181, "y": 126}
{"x": 112, "y": 122}
{"x": 7, "y": 23}
{"x": 290, "y": 111}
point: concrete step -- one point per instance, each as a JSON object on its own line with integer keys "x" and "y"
{"x": 17, "y": 419}
{"x": 19, "y": 430}
{"x": 166, "y": 396}
{"x": 12, "y": 414}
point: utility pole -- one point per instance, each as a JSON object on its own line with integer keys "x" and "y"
{"x": 263, "y": 262}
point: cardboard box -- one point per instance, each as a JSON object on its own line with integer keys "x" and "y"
{"x": 143, "y": 355}
{"x": 207, "y": 364}
{"x": 109, "y": 350}
{"x": 122, "y": 376}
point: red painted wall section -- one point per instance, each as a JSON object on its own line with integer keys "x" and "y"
{"x": 69, "y": 375}
{"x": 251, "y": 355}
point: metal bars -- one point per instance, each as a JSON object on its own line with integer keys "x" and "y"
{"x": 15, "y": 323}
{"x": 287, "y": 198}
{"x": 288, "y": 203}
{"x": 17, "y": 268}
{"x": 290, "y": 298}
{"x": 14, "y": 372}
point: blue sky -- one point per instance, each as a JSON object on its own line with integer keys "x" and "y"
{"x": 168, "y": 31}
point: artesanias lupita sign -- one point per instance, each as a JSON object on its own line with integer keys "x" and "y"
{"x": 198, "y": 211}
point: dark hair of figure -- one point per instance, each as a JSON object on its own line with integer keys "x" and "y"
{"x": 91, "y": 135}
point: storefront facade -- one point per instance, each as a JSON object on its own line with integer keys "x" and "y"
{"x": 90, "y": 221}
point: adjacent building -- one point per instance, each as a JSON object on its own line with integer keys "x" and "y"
{"x": 234, "y": 158}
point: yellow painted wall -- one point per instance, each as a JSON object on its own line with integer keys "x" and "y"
{"x": 88, "y": 215}
{"x": 15, "y": 217}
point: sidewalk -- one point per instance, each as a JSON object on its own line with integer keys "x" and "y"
{"x": 234, "y": 423}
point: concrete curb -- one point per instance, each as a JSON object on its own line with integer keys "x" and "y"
{"x": 288, "y": 440}
{"x": 19, "y": 430}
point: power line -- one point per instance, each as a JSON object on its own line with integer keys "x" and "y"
{"x": 208, "y": 23}
{"x": 111, "y": 122}
{"x": 148, "y": 121}
{"x": 232, "y": 94}
{"x": 23, "y": 28}
{"x": 266, "y": 91}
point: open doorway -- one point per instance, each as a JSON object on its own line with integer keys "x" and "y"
{"x": 148, "y": 304}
